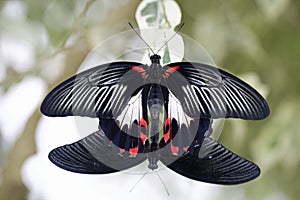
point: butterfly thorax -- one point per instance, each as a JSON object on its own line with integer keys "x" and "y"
{"x": 155, "y": 59}
{"x": 155, "y": 71}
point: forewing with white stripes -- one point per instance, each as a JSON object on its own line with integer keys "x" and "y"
{"x": 208, "y": 92}
{"x": 101, "y": 92}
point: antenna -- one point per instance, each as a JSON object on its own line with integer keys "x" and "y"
{"x": 140, "y": 37}
{"x": 138, "y": 181}
{"x": 162, "y": 183}
{"x": 179, "y": 28}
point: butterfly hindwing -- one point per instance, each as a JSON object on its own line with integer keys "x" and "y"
{"x": 102, "y": 91}
{"x": 212, "y": 163}
{"x": 208, "y": 92}
{"x": 93, "y": 154}
{"x": 182, "y": 130}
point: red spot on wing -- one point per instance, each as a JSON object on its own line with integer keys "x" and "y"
{"x": 170, "y": 70}
{"x": 121, "y": 150}
{"x": 185, "y": 148}
{"x": 143, "y": 137}
{"x": 167, "y": 134}
{"x": 167, "y": 122}
{"x": 133, "y": 151}
{"x": 174, "y": 149}
{"x": 140, "y": 70}
{"x": 143, "y": 122}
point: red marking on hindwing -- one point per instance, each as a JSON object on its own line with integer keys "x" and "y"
{"x": 167, "y": 134}
{"x": 140, "y": 70}
{"x": 167, "y": 122}
{"x": 133, "y": 151}
{"x": 170, "y": 70}
{"x": 174, "y": 149}
{"x": 143, "y": 122}
{"x": 143, "y": 137}
{"x": 121, "y": 150}
{"x": 185, "y": 148}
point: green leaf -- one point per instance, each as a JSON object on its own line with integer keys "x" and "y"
{"x": 166, "y": 56}
{"x": 151, "y": 10}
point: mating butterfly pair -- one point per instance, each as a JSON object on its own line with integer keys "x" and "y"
{"x": 155, "y": 113}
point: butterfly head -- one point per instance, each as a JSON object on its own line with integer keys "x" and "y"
{"x": 155, "y": 59}
{"x": 153, "y": 159}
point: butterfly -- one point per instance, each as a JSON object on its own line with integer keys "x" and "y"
{"x": 155, "y": 113}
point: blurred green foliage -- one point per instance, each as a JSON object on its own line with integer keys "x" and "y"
{"x": 263, "y": 37}
{"x": 257, "y": 36}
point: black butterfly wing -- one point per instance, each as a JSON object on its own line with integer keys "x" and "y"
{"x": 212, "y": 163}
{"x": 208, "y": 92}
{"x": 128, "y": 130}
{"x": 93, "y": 154}
{"x": 180, "y": 130}
{"x": 102, "y": 91}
